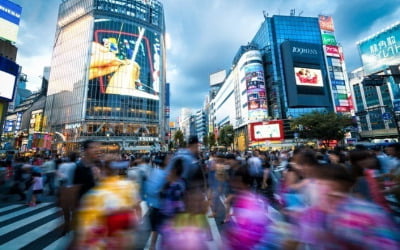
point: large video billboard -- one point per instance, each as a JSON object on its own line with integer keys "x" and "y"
{"x": 125, "y": 60}
{"x": 381, "y": 50}
{"x": 305, "y": 75}
{"x": 308, "y": 77}
{"x": 8, "y": 73}
{"x": 10, "y": 14}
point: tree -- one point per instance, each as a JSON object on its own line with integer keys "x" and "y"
{"x": 322, "y": 126}
{"x": 226, "y": 135}
{"x": 211, "y": 139}
{"x": 205, "y": 141}
{"x": 179, "y": 140}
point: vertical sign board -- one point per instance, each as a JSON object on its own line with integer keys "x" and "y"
{"x": 340, "y": 92}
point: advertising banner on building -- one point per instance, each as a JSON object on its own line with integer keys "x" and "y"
{"x": 305, "y": 75}
{"x": 125, "y": 60}
{"x": 326, "y": 23}
{"x": 381, "y": 50}
{"x": 331, "y": 50}
{"x": 271, "y": 130}
{"x": 308, "y": 77}
{"x": 167, "y": 100}
{"x": 8, "y": 74}
{"x": 255, "y": 88}
{"x": 328, "y": 39}
{"x": 10, "y": 14}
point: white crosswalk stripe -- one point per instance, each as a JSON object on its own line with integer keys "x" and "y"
{"x": 40, "y": 228}
{"x": 21, "y": 226}
{"x": 21, "y": 212}
{"x": 30, "y": 236}
{"x": 27, "y": 220}
{"x": 5, "y": 209}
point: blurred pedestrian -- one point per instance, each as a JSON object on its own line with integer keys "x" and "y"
{"x": 37, "y": 188}
{"x": 336, "y": 220}
{"x": 249, "y": 222}
{"x": 84, "y": 172}
{"x": 109, "y": 213}
{"x": 68, "y": 195}
{"x": 154, "y": 185}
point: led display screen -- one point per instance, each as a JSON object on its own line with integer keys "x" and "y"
{"x": 7, "y": 83}
{"x": 326, "y": 23}
{"x": 255, "y": 85}
{"x": 308, "y": 77}
{"x": 125, "y": 60}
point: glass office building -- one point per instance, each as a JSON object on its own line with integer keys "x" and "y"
{"x": 107, "y": 80}
{"x": 294, "y": 65}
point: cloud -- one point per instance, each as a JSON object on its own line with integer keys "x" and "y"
{"x": 205, "y": 35}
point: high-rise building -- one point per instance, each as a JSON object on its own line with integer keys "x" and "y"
{"x": 294, "y": 65}
{"x": 184, "y": 121}
{"x": 281, "y": 74}
{"x": 10, "y": 13}
{"x": 107, "y": 80}
{"x": 375, "y": 85}
{"x": 201, "y": 124}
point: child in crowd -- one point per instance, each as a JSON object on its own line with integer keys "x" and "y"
{"x": 37, "y": 187}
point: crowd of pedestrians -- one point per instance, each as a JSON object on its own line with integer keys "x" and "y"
{"x": 287, "y": 199}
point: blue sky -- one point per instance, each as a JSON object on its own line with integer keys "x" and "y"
{"x": 206, "y": 34}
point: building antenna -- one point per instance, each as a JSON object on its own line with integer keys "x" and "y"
{"x": 265, "y": 14}
{"x": 301, "y": 12}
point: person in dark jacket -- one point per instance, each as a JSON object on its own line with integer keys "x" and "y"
{"x": 84, "y": 175}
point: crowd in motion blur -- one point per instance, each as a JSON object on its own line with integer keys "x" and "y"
{"x": 300, "y": 198}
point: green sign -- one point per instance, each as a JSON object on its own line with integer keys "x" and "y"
{"x": 328, "y": 39}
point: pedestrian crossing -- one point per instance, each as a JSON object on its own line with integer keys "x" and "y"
{"x": 24, "y": 227}
{"x": 40, "y": 227}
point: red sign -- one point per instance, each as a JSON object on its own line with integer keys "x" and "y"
{"x": 326, "y": 23}
{"x": 342, "y": 109}
{"x": 332, "y": 50}
{"x": 261, "y": 131}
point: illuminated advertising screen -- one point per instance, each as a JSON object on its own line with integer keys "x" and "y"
{"x": 256, "y": 95}
{"x": 328, "y": 39}
{"x": 305, "y": 75}
{"x": 326, "y": 23}
{"x": 272, "y": 130}
{"x": 125, "y": 60}
{"x": 381, "y": 50}
{"x": 308, "y": 77}
{"x": 7, "y": 84}
{"x": 8, "y": 73}
{"x": 10, "y": 14}
{"x": 331, "y": 50}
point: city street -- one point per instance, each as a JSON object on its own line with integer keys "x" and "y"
{"x": 40, "y": 227}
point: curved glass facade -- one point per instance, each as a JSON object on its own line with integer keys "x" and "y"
{"x": 107, "y": 78}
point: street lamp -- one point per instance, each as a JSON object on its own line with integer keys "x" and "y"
{"x": 108, "y": 141}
